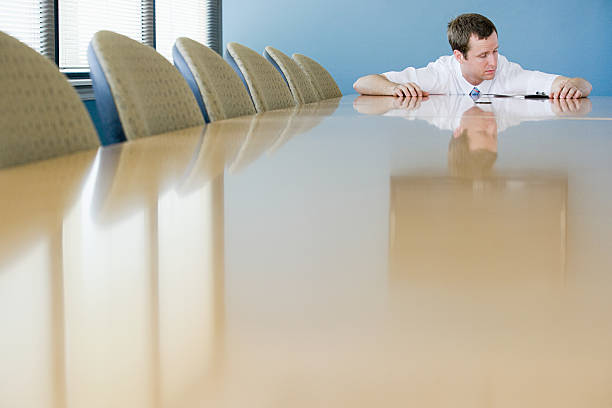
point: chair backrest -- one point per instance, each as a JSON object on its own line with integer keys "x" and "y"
{"x": 216, "y": 86}
{"x": 302, "y": 89}
{"x": 138, "y": 92}
{"x": 265, "y": 84}
{"x": 41, "y": 115}
{"x": 321, "y": 79}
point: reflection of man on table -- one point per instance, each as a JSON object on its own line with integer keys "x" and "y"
{"x": 472, "y": 150}
{"x": 473, "y": 146}
{"x": 475, "y": 68}
{"x": 445, "y": 112}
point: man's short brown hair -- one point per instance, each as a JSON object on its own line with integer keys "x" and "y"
{"x": 461, "y": 28}
{"x": 465, "y": 163}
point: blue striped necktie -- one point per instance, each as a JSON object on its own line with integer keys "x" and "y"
{"x": 475, "y": 94}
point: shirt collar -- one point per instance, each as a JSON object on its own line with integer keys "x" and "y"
{"x": 484, "y": 87}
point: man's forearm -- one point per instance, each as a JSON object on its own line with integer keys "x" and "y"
{"x": 374, "y": 85}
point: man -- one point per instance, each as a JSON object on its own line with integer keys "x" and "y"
{"x": 474, "y": 68}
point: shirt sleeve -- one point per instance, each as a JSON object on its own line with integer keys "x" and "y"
{"x": 430, "y": 78}
{"x": 521, "y": 81}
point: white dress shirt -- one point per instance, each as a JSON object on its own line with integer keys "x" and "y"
{"x": 444, "y": 76}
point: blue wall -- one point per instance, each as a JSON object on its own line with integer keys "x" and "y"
{"x": 357, "y": 37}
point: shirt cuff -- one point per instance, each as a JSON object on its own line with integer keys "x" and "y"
{"x": 542, "y": 84}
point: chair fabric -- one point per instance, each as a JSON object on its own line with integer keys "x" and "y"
{"x": 302, "y": 89}
{"x": 265, "y": 84}
{"x": 41, "y": 115}
{"x": 321, "y": 79}
{"x": 217, "y": 88}
{"x": 138, "y": 92}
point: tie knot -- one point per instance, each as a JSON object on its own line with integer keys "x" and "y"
{"x": 475, "y": 94}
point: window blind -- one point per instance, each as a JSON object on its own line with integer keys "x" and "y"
{"x": 79, "y": 20}
{"x": 153, "y": 22}
{"x": 31, "y": 22}
{"x": 178, "y": 18}
{"x": 213, "y": 25}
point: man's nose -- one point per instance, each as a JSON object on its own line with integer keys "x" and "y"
{"x": 491, "y": 60}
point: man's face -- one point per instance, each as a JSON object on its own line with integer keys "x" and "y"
{"x": 480, "y": 63}
{"x": 481, "y": 129}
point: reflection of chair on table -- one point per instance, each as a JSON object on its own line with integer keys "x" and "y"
{"x": 35, "y": 198}
{"x": 236, "y": 143}
{"x": 264, "y": 131}
{"x": 304, "y": 118}
{"x": 141, "y": 171}
{"x": 220, "y": 145}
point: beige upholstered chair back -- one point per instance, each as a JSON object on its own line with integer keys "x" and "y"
{"x": 151, "y": 96}
{"x": 222, "y": 91}
{"x": 266, "y": 85}
{"x": 302, "y": 89}
{"x": 41, "y": 115}
{"x": 321, "y": 79}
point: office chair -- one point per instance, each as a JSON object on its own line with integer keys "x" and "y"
{"x": 302, "y": 89}
{"x": 138, "y": 92}
{"x": 265, "y": 84}
{"x": 41, "y": 115}
{"x": 217, "y": 88}
{"x": 322, "y": 80}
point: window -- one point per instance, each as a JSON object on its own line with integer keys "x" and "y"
{"x": 153, "y": 22}
{"x": 32, "y": 22}
{"x": 178, "y": 18}
{"x": 79, "y": 20}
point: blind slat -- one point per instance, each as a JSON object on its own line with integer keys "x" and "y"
{"x": 154, "y": 22}
{"x": 81, "y": 19}
{"x": 182, "y": 18}
{"x": 31, "y": 22}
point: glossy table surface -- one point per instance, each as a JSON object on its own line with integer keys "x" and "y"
{"x": 358, "y": 252}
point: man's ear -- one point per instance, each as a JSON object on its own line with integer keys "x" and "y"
{"x": 457, "y": 132}
{"x": 458, "y": 56}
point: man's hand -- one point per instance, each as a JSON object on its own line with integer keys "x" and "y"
{"x": 410, "y": 89}
{"x": 569, "y": 88}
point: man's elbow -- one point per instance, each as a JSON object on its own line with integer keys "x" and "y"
{"x": 368, "y": 85}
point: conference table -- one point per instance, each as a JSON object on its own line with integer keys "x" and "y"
{"x": 356, "y": 252}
